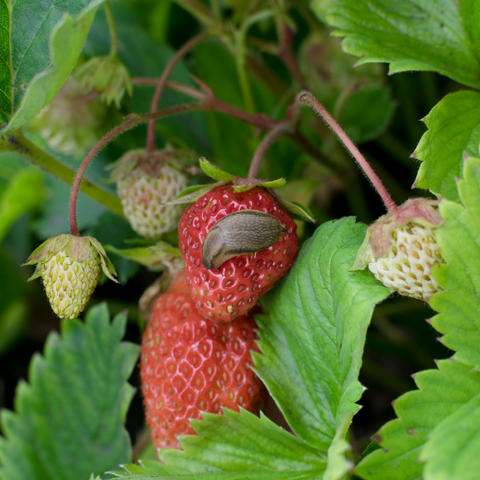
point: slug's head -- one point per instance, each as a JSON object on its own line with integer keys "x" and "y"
{"x": 239, "y": 233}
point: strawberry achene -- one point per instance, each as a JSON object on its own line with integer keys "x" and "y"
{"x": 190, "y": 364}
{"x": 229, "y": 291}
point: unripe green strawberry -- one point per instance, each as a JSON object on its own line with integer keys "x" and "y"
{"x": 68, "y": 123}
{"x": 144, "y": 182}
{"x": 70, "y": 268}
{"x": 400, "y": 249}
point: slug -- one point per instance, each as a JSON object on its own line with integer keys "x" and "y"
{"x": 245, "y": 231}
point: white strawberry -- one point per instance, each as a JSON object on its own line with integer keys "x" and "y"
{"x": 144, "y": 182}
{"x": 70, "y": 268}
{"x": 400, "y": 249}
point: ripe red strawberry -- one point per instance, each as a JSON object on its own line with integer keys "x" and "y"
{"x": 190, "y": 364}
{"x": 229, "y": 291}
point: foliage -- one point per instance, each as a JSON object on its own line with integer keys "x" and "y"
{"x": 70, "y": 415}
{"x": 323, "y": 337}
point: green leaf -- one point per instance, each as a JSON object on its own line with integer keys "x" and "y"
{"x": 24, "y": 193}
{"x": 441, "y": 393}
{"x": 367, "y": 113}
{"x": 451, "y": 452}
{"x": 412, "y": 35}
{"x": 24, "y": 45}
{"x": 313, "y": 341}
{"x": 69, "y": 417}
{"x": 214, "y": 172}
{"x": 299, "y": 211}
{"x": 28, "y": 52}
{"x": 194, "y": 194}
{"x": 192, "y": 189}
{"x": 281, "y": 182}
{"x": 458, "y": 305}
{"x": 454, "y": 125}
{"x": 235, "y": 446}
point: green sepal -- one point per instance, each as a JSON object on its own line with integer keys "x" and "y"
{"x": 160, "y": 256}
{"x": 78, "y": 248}
{"x": 279, "y": 183}
{"x": 107, "y": 75}
{"x": 194, "y": 188}
{"x": 214, "y": 172}
{"x": 186, "y": 197}
{"x": 298, "y": 211}
{"x": 150, "y": 162}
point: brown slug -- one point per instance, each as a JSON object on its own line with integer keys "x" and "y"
{"x": 239, "y": 233}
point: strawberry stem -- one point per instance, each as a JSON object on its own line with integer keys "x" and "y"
{"x": 306, "y": 98}
{"x": 128, "y": 125}
{"x": 150, "y": 147}
{"x": 276, "y": 132}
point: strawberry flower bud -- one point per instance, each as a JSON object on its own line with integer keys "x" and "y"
{"x": 400, "y": 249}
{"x": 70, "y": 268}
{"x": 108, "y": 76}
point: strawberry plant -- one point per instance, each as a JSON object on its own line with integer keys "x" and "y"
{"x": 280, "y": 313}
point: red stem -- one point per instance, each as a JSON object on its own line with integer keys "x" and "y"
{"x": 131, "y": 123}
{"x": 277, "y": 131}
{"x": 258, "y": 120}
{"x": 178, "y": 87}
{"x": 163, "y": 80}
{"x": 306, "y": 98}
{"x": 286, "y": 54}
{"x": 207, "y": 104}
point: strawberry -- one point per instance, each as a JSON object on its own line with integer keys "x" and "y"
{"x": 144, "y": 182}
{"x": 229, "y": 291}
{"x": 189, "y": 365}
{"x": 70, "y": 268}
{"x": 400, "y": 249}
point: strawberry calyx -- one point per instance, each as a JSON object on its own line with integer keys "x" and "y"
{"x": 192, "y": 193}
{"x": 149, "y": 162}
{"x": 378, "y": 238}
{"x": 77, "y": 248}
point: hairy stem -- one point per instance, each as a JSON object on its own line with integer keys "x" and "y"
{"x": 163, "y": 80}
{"x": 128, "y": 125}
{"x": 258, "y": 120}
{"x": 306, "y": 98}
{"x": 17, "y": 142}
{"x": 276, "y": 132}
{"x": 111, "y": 29}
